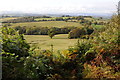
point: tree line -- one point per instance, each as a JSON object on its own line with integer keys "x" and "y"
{"x": 42, "y": 30}
{"x": 32, "y": 19}
{"x": 73, "y": 32}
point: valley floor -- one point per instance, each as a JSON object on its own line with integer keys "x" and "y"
{"x": 59, "y": 42}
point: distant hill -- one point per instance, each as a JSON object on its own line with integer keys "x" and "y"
{"x": 21, "y": 14}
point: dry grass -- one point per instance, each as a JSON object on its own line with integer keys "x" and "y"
{"x": 48, "y": 24}
{"x": 10, "y": 18}
{"x": 59, "y": 42}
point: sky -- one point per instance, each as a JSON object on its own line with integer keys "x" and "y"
{"x": 59, "y": 6}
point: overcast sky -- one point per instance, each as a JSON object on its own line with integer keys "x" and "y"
{"x": 59, "y": 6}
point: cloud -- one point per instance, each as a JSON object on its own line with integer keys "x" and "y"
{"x": 59, "y": 6}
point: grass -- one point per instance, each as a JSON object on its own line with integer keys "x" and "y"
{"x": 59, "y": 42}
{"x": 53, "y": 18}
{"x": 66, "y": 17}
{"x": 98, "y": 26}
{"x": 48, "y": 24}
{"x": 89, "y": 19}
{"x": 9, "y": 18}
{"x": 37, "y": 19}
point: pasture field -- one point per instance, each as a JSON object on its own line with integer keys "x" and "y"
{"x": 37, "y": 19}
{"x": 89, "y": 19}
{"x": 98, "y": 26}
{"x": 53, "y": 18}
{"x": 9, "y": 18}
{"x": 59, "y": 42}
{"x": 48, "y": 24}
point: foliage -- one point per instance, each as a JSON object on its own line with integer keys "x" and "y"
{"x": 106, "y": 62}
{"x": 42, "y": 30}
{"x": 51, "y": 32}
{"x": 78, "y": 33}
{"x": 14, "y": 42}
{"x": 14, "y": 51}
{"x": 22, "y": 30}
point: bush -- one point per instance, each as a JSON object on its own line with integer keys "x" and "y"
{"x": 76, "y": 33}
{"x": 13, "y": 42}
{"x": 51, "y": 32}
{"x": 105, "y": 63}
{"x": 14, "y": 51}
{"x": 22, "y": 30}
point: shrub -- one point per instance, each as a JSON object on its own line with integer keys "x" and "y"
{"x": 51, "y": 32}
{"x": 14, "y": 51}
{"x": 76, "y": 33}
{"x": 13, "y": 42}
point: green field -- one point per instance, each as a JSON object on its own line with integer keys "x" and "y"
{"x": 53, "y": 18}
{"x": 59, "y": 42}
{"x": 9, "y": 18}
{"x": 98, "y": 26}
{"x": 37, "y": 19}
{"x": 48, "y": 24}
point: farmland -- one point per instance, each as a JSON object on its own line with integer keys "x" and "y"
{"x": 52, "y": 18}
{"x": 48, "y": 24}
{"x": 37, "y": 19}
{"x": 9, "y": 18}
{"x": 59, "y": 42}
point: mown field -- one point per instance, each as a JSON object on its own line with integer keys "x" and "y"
{"x": 52, "y": 18}
{"x": 9, "y": 18}
{"x": 37, "y": 19}
{"x": 59, "y": 42}
{"x": 48, "y": 24}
